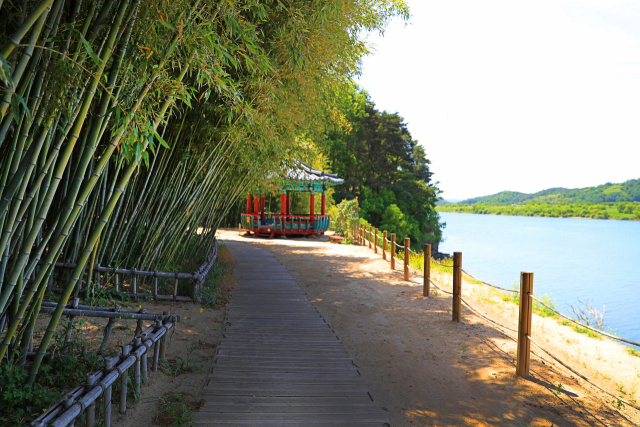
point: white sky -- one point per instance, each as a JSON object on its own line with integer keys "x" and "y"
{"x": 514, "y": 95}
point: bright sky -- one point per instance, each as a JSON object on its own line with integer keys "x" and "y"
{"x": 514, "y": 95}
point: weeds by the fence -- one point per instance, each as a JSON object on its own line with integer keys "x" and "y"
{"x": 215, "y": 289}
{"x": 177, "y": 410}
{"x": 66, "y": 367}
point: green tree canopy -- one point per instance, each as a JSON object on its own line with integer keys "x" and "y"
{"x": 385, "y": 168}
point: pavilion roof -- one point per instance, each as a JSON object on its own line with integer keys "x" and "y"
{"x": 304, "y": 172}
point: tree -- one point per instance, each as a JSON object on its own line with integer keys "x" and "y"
{"x": 385, "y": 168}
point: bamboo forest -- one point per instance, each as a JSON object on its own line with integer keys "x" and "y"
{"x": 130, "y": 128}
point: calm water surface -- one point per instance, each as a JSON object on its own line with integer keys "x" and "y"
{"x": 596, "y": 260}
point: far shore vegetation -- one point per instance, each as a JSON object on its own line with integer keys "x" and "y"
{"x": 607, "y": 201}
{"x": 607, "y": 210}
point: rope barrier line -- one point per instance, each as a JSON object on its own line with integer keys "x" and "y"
{"x": 489, "y": 284}
{"x": 580, "y": 375}
{"x": 415, "y": 271}
{"x": 586, "y": 326}
{"x": 486, "y": 318}
{"x": 436, "y": 262}
{"x": 439, "y": 288}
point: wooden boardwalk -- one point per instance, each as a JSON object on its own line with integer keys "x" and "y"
{"x": 279, "y": 363}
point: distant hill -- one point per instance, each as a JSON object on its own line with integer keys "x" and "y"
{"x": 448, "y": 202}
{"x": 628, "y": 191}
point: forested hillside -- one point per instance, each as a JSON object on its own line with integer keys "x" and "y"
{"x": 628, "y": 191}
{"x": 608, "y": 201}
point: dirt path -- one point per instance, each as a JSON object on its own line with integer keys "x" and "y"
{"x": 427, "y": 371}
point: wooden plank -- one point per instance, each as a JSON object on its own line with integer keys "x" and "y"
{"x": 279, "y": 363}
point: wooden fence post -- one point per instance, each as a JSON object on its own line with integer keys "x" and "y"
{"x": 163, "y": 341}
{"x": 91, "y": 409}
{"x": 426, "y": 286}
{"x": 370, "y": 237}
{"x": 135, "y": 283}
{"x": 384, "y": 245}
{"x": 375, "y": 240}
{"x": 524, "y": 324}
{"x": 123, "y": 383}
{"x": 136, "y": 368}
{"x": 456, "y": 312}
{"x": 407, "y": 254}
{"x": 393, "y": 251}
{"x": 156, "y": 347}
{"x": 108, "y": 365}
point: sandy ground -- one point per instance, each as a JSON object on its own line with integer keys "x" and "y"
{"x": 428, "y": 371}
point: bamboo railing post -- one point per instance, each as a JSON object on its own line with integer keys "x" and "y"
{"x": 393, "y": 251}
{"x": 143, "y": 366}
{"x": 524, "y": 324}
{"x": 155, "y": 285}
{"x": 175, "y": 289}
{"x": 135, "y": 283}
{"x": 117, "y": 284}
{"x": 163, "y": 341}
{"x": 107, "y": 332}
{"x": 407, "y": 253}
{"x": 456, "y": 312}
{"x": 91, "y": 409}
{"x": 68, "y": 403}
{"x": 426, "y": 286}
{"x": 375, "y": 240}
{"x": 156, "y": 347}
{"x": 370, "y": 228}
{"x": 384, "y": 245}
{"x": 139, "y": 324}
{"x": 123, "y": 383}
{"x": 108, "y": 365}
{"x": 136, "y": 369}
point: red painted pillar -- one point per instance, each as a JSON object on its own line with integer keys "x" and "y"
{"x": 288, "y": 204}
{"x": 322, "y": 211}
{"x": 262, "y": 208}
{"x": 283, "y": 202}
{"x": 248, "y": 203}
{"x": 256, "y": 204}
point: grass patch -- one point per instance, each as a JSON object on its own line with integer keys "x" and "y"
{"x": 177, "y": 410}
{"x": 216, "y": 290}
{"x": 579, "y": 329}
{"x": 633, "y": 352}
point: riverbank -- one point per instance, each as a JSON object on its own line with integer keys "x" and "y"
{"x": 427, "y": 370}
{"x": 589, "y": 211}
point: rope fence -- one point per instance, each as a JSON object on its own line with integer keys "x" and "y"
{"x": 525, "y": 313}
{"x": 490, "y": 285}
{"x": 583, "y": 325}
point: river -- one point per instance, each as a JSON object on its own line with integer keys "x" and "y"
{"x": 593, "y": 260}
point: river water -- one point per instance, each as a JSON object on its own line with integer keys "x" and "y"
{"x": 593, "y": 260}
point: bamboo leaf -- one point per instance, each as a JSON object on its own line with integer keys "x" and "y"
{"x": 92, "y": 54}
{"x": 162, "y": 141}
{"x": 169, "y": 26}
{"x": 5, "y": 72}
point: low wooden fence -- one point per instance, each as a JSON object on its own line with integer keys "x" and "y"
{"x": 82, "y": 399}
{"x": 197, "y": 278}
{"x": 370, "y": 236}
